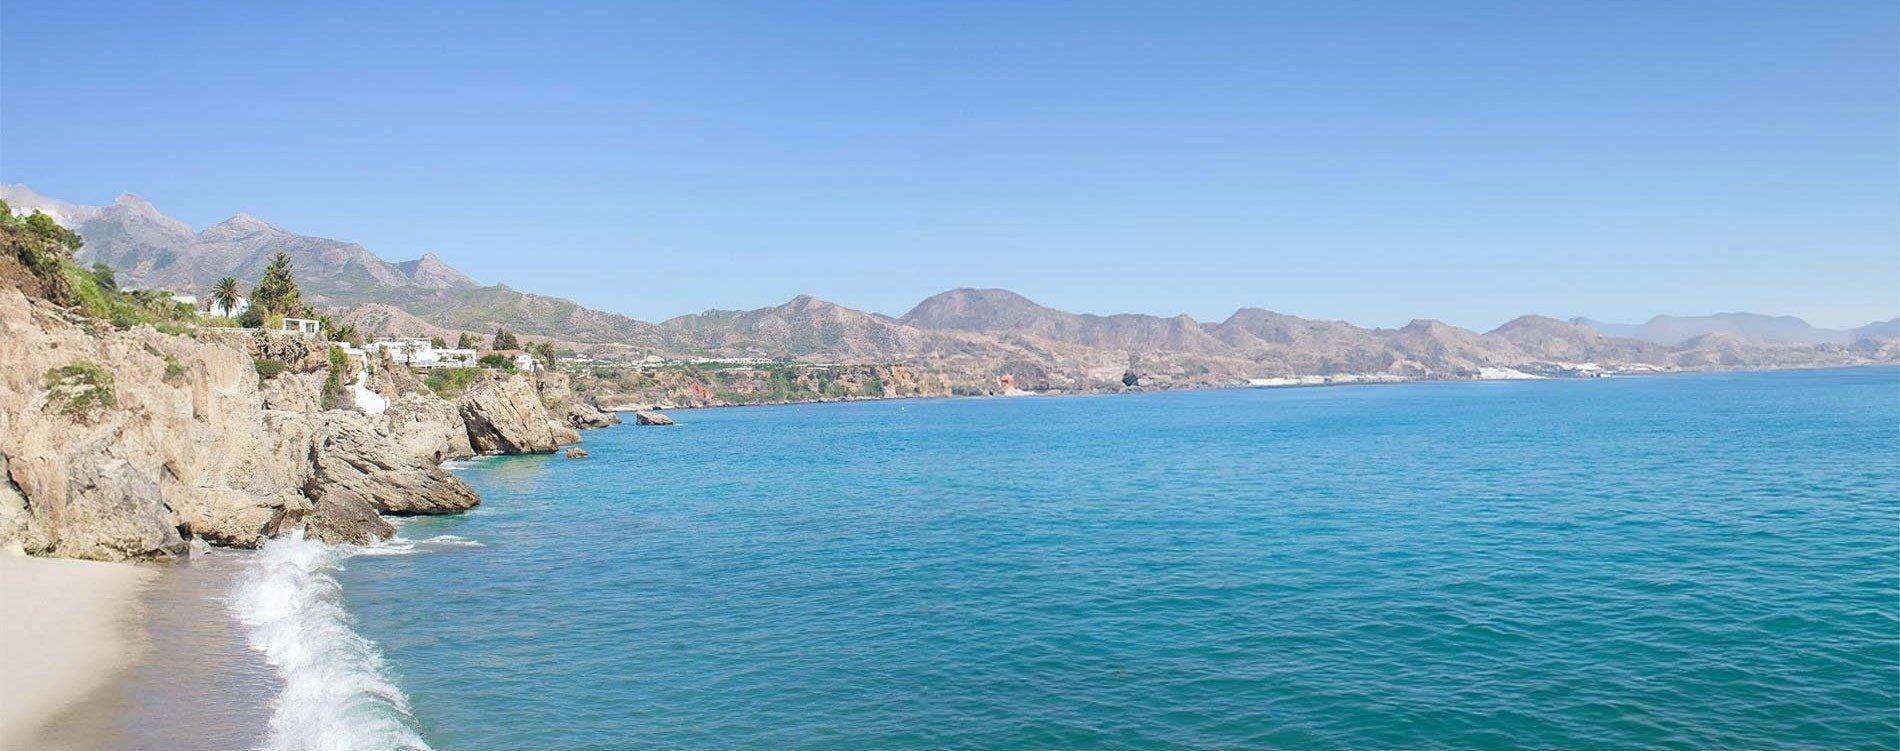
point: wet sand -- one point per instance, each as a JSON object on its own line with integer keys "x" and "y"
{"x": 69, "y": 631}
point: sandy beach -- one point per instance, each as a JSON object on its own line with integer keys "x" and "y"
{"x": 69, "y": 629}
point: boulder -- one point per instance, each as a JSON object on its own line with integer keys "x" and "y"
{"x": 577, "y": 453}
{"x": 586, "y": 417}
{"x": 224, "y": 516}
{"x": 648, "y": 417}
{"x": 506, "y": 417}
{"x": 342, "y": 516}
{"x": 564, "y": 435}
{"x": 349, "y": 457}
{"x": 428, "y": 427}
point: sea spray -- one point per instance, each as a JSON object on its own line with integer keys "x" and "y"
{"x": 337, "y": 693}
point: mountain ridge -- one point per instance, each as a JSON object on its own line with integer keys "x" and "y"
{"x": 977, "y": 333}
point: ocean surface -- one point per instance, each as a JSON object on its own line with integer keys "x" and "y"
{"x": 1684, "y": 562}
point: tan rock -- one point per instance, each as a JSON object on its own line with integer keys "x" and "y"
{"x": 349, "y": 457}
{"x": 425, "y": 426}
{"x": 506, "y": 417}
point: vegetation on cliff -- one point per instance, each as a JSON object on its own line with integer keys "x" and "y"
{"x": 45, "y": 251}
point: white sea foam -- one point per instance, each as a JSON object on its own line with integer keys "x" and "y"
{"x": 337, "y": 693}
{"x": 400, "y": 545}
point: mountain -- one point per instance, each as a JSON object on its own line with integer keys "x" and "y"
{"x": 149, "y": 249}
{"x": 967, "y": 338}
{"x": 1561, "y": 341}
{"x": 998, "y": 311}
{"x": 1753, "y": 327}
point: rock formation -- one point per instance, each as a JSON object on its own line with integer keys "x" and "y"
{"x": 648, "y": 417}
{"x": 349, "y": 455}
{"x": 428, "y": 427}
{"x": 506, "y": 417}
{"x": 128, "y": 444}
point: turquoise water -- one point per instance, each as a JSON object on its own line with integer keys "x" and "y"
{"x": 1689, "y": 562}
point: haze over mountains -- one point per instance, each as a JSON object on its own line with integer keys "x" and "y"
{"x": 975, "y": 333}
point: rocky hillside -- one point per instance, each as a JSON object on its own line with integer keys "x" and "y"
{"x": 124, "y": 442}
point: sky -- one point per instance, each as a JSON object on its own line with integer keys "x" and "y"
{"x": 1374, "y": 162}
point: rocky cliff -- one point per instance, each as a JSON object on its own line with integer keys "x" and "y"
{"x": 129, "y": 444}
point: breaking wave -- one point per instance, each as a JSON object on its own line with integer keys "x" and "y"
{"x": 337, "y": 693}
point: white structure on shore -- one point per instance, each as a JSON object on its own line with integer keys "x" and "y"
{"x": 418, "y": 352}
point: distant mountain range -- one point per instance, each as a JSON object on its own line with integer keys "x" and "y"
{"x": 968, "y": 334}
{"x": 1674, "y": 330}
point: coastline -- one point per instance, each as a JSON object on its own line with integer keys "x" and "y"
{"x": 618, "y": 409}
{"x": 70, "y": 632}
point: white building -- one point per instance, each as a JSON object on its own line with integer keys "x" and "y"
{"x": 308, "y": 328}
{"x": 421, "y": 353}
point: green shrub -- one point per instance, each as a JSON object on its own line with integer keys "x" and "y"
{"x": 174, "y": 370}
{"x": 498, "y": 361}
{"x": 449, "y": 383}
{"x": 268, "y": 369}
{"x": 335, "y": 396}
{"x": 80, "y": 389}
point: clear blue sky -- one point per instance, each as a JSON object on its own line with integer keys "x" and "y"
{"x": 1368, "y": 161}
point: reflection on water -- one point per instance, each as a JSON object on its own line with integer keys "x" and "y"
{"x": 201, "y": 686}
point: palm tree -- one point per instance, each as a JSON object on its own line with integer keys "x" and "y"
{"x": 224, "y": 294}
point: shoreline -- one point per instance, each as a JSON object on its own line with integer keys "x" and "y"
{"x": 71, "y": 634}
{"x": 618, "y": 409}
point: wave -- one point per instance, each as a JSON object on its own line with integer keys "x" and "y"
{"x": 337, "y": 694}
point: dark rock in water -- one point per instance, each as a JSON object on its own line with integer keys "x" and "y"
{"x": 577, "y": 453}
{"x": 587, "y": 417}
{"x": 348, "y": 455}
{"x": 506, "y": 417}
{"x": 340, "y": 516}
{"x": 648, "y": 417}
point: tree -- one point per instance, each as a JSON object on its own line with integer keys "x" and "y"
{"x": 438, "y": 342}
{"x": 277, "y": 292}
{"x": 224, "y": 295}
{"x": 468, "y": 341}
{"x": 506, "y": 340}
{"x": 543, "y": 351}
{"x": 408, "y": 352}
{"x": 102, "y": 274}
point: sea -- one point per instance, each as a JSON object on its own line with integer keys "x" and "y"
{"x": 1704, "y": 561}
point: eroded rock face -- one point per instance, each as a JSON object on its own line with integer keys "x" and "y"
{"x": 106, "y": 511}
{"x": 349, "y": 458}
{"x": 649, "y": 417}
{"x": 506, "y": 417}
{"x": 427, "y": 427}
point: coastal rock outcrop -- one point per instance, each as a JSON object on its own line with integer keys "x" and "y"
{"x": 649, "y": 417}
{"x": 428, "y": 427}
{"x": 506, "y": 417}
{"x": 586, "y": 417}
{"x": 351, "y": 460}
{"x": 557, "y": 394}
